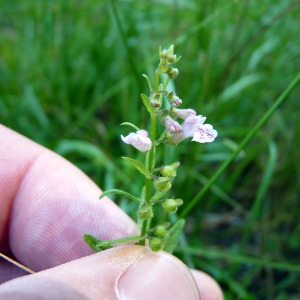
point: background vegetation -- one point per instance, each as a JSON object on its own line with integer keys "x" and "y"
{"x": 70, "y": 73}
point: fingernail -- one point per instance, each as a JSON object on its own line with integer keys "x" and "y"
{"x": 157, "y": 276}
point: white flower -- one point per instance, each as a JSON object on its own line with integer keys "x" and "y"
{"x": 193, "y": 127}
{"x": 139, "y": 140}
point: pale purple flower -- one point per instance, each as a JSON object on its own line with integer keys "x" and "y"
{"x": 172, "y": 126}
{"x": 139, "y": 140}
{"x": 205, "y": 134}
{"x": 193, "y": 126}
{"x": 183, "y": 113}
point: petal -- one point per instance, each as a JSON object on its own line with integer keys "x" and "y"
{"x": 184, "y": 113}
{"x": 205, "y": 134}
{"x": 142, "y": 132}
{"x": 191, "y": 124}
{"x": 172, "y": 126}
{"x": 139, "y": 140}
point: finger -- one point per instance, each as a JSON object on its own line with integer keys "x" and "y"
{"x": 128, "y": 272}
{"x": 208, "y": 287}
{"x": 47, "y": 204}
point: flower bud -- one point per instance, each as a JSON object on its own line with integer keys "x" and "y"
{"x": 161, "y": 230}
{"x": 145, "y": 212}
{"x": 182, "y": 113}
{"x": 171, "y": 205}
{"x": 163, "y": 54}
{"x": 156, "y": 244}
{"x": 173, "y": 73}
{"x": 170, "y": 171}
{"x": 170, "y": 55}
{"x": 172, "y": 58}
{"x": 162, "y": 184}
{"x": 173, "y": 99}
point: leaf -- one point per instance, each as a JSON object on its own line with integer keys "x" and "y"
{"x": 148, "y": 81}
{"x": 120, "y": 192}
{"x": 92, "y": 242}
{"x": 146, "y": 102}
{"x": 131, "y": 125}
{"x": 139, "y": 166}
{"x": 173, "y": 236}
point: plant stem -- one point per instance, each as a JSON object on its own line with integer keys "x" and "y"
{"x": 151, "y": 163}
{"x": 126, "y": 239}
{"x": 148, "y": 183}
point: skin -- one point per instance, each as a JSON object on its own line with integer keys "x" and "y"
{"x": 46, "y": 205}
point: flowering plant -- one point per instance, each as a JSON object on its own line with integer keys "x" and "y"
{"x": 162, "y": 106}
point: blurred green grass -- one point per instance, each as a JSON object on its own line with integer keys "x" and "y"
{"x": 70, "y": 73}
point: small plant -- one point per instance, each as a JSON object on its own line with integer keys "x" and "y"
{"x": 162, "y": 105}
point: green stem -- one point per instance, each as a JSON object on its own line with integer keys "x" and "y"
{"x": 151, "y": 163}
{"x": 143, "y": 232}
{"x": 148, "y": 183}
{"x": 156, "y": 81}
{"x": 126, "y": 239}
{"x": 244, "y": 142}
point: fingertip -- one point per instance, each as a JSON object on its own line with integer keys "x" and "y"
{"x": 157, "y": 275}
{"x": 208, "y": 287}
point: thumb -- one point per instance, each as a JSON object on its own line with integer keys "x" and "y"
{"x": 128, "y": 272}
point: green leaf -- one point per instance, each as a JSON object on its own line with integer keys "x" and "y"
{"x": 173, "y": 236}
{"x": 131, "y": 125}
{"x": 148, "y": 81}
{"x": 92, "y": 242}
{"x": 146, "y": 102}
{"x": 139, "y": 166}
{"x": 120, "y": 192}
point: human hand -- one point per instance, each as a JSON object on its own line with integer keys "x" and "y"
{"x": 46, "y": 205}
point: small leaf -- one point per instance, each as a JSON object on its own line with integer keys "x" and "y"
{"x": 148, "y": 81}
{"x": 131, "y": 125}
{"x": 173, "y": 236}
{"x": 120, "y": 192}
{"x": 92, "y": 242}
{"x": 139, "y": 166}
{"x": 146, "y": 102}
{"x": 104, "y": 245}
